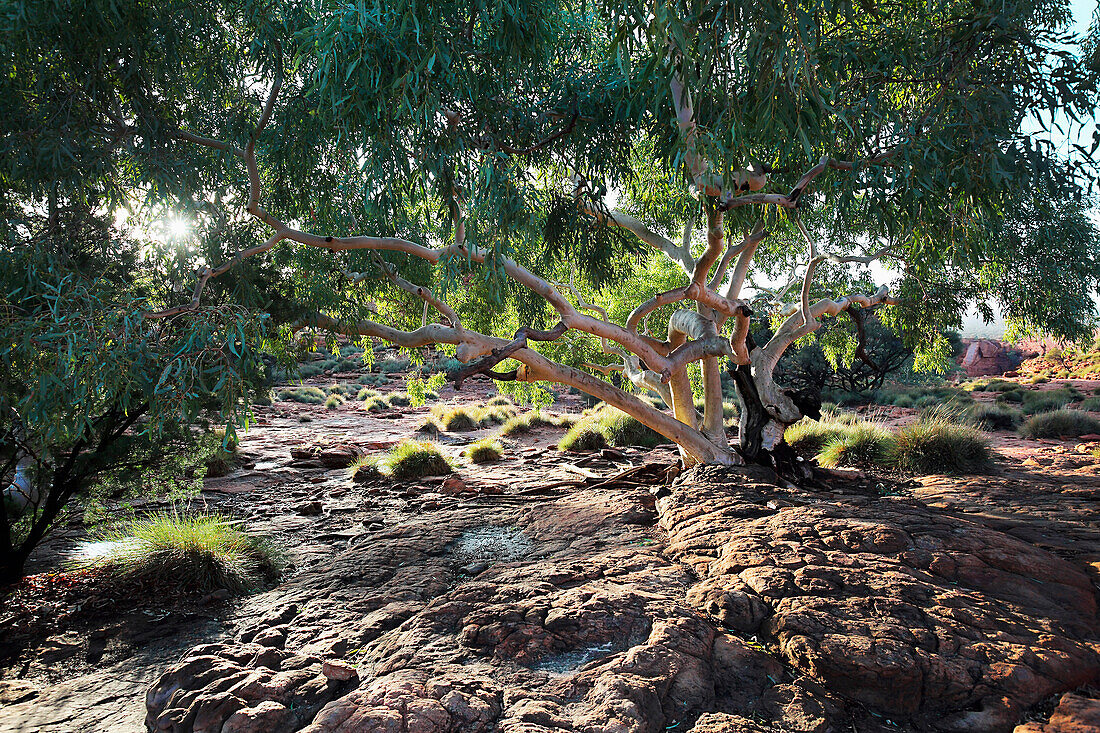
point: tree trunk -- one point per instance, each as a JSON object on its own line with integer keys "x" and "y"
{"x": 750, "y": 428}
{"x": 12, "y": 564}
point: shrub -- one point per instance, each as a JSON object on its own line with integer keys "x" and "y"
{"x": 584, "y": 436}
{"x": 339, "y": 389}
{"x": 305, "y": 395}
{"x": 1016, "y": 395}
{"x": 864, "y": 444}
{"x": 1092, "y": 404}
{"x": 1058, "y": 423}
{"x": 485, "y": 450}
{"x": 939, "y": 445}
{"x": 348, "y": 365}
{"x": 1037, "y": 402}
{"x": 391, "y": 364}
{"x": 398, "y": 399}
{"x": 364, "y": 468}
{"x": 305, "y": 371}
{"x": 365, "y": 394}
{"x": 994, "y": 417}
{"x": 416, "y": 459}
{"x": 199, "y": 552}
{"x": 333, "y": 402}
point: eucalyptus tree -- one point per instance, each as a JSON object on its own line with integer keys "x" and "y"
{"x": 790, "y": 142}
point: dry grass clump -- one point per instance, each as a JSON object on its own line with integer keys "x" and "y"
{"x": 415, "y": 459}
{"x": 429, "y": 426}
{"x": 485, "y": 450}
{"x": 376, "y": 404}
{"x": 197, "y": 552}
{"x": 534, "y": 419}
{"x": 333, "y": 401}
{"x": 1060, "y": 423}
{"x": 500, "y": 399}
{"x": 464, "y": 418}
{"x": 366, "y": 393}
{"x": 398, "y": 399}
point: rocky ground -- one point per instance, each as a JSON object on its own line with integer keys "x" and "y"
{"x": 551, "y": 593}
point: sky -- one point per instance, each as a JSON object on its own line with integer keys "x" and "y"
{"x": 973, "y": 326}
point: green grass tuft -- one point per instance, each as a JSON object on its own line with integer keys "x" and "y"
{"x": 863, "y": 445}
{"x": 485, "y": 450}
{"x": 460, "y": 420}
{"x": 584, "y": 436}
{"x": 808, "y": 436}
{"x": 994, "y": 417}
{"x": 364, "y": 468}
{"x": 197, "y": 552}
{"x": 415, "y": 459}
{"x": 1092, "y": 404}
{"x": 1046, "y": 401}
{"x": 937, "y": 444}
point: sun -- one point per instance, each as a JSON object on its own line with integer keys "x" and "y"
{"x": 177, "y": 227}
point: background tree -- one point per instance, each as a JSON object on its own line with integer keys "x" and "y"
{"x": 94, "y": 396}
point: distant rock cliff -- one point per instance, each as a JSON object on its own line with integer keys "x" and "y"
{"x": 983, "y": 357}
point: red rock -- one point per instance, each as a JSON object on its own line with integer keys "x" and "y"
{"x": 1074, "y": 714}
{"x": 266, "y": 717}
{"x": 339, "y": 671}
{"x": 453, "y": 486}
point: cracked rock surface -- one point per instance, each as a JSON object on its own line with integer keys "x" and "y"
{"x": 750, "y": 608}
